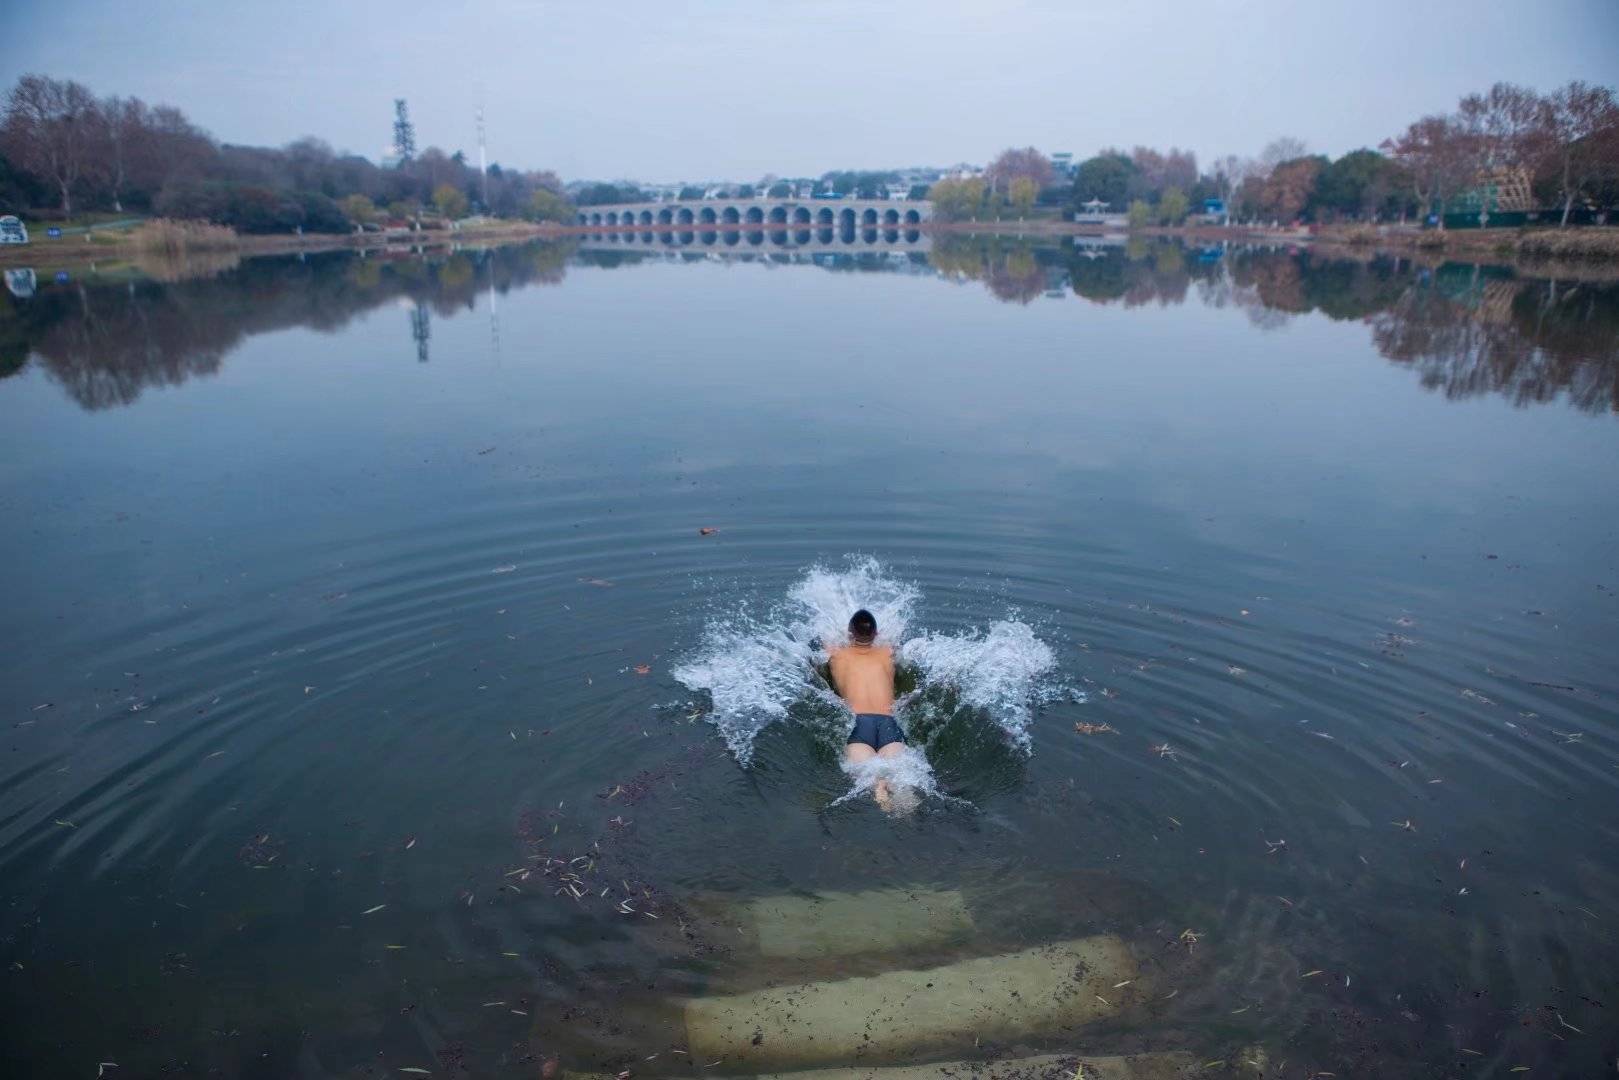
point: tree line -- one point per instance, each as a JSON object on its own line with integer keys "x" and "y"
{"x": 1561, "y": 147}
{"x": 63, "y": 147}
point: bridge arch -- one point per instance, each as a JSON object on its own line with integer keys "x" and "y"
{"x": 802, "y": 215}
{"x": 891, "y": 217}
{"x": 913, "y": 217}
{"x": 666, "y": 216}
{"x": 846, "y": 219}
{"x": 755, "y": 215}
{"x": 646, "y": 217}
{"x": 731, "y": 215}
{"x": 825, "y": 217}
{"x": 869, "y": 217}
{"x": 684, "y": 215}
{"x": 707, "y": 215}
{"x": 778, "y": 215}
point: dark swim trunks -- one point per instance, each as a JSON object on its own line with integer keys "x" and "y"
{"x": 876, "y": 730}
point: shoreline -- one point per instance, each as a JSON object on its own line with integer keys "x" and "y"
{"x": 1586, "y": 249}
{"x": 63, "y": 253}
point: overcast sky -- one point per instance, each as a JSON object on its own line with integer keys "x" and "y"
{"x": 686, "y": 89}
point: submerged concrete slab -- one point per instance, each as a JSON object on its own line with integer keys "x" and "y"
{"x": 1157, "y": 1065}
{"x": 1171, "y": 1065}
{"x": 882, "y": 1018}
{"x": 843, "y": 924}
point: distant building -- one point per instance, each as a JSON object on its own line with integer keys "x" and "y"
{"x": 1063, "y": 164}
{"x": 1501, "y": 191}
{"x": 1214, "y": 212}
{"x": 1097, "y": 212}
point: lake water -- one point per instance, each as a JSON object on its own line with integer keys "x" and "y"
{"x": 376, "y": 697}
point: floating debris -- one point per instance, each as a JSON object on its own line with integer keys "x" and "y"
{"x": 368, "y": 911}
{"x": 506, "y": 569}
{"x": 1094, "y": 729}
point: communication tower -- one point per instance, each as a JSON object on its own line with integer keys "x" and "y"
{"x": 404, "y": 132}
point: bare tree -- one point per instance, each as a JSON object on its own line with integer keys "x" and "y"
{"x": 1505, "y": 126}
{"x": 1229, "y": 173}
{"x": 50, "y": 128}
{"x": 1285, "y": 148}
{"x": 1011, "y": 164}
{"x": 1438, "y": 153}
{"x": 1581, "y": 132}
{"x": 125, "y": 124}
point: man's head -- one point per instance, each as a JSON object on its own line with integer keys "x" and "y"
{"x": 863, "y": 627}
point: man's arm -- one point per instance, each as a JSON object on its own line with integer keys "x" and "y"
{"x": 825, "y": 669}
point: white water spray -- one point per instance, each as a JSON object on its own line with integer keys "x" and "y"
{"x": 755, "y": 669}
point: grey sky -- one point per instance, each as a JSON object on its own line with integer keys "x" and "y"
{"x": 689, "y": 90}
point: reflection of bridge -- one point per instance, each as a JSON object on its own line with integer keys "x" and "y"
{"x": 820, "y": 213}
{"x": 774, "y": 241}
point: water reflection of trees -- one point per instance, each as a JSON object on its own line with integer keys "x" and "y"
{"x": 1467, "y": 330}
{"x": 106, "y": 342}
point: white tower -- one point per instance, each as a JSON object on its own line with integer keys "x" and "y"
{"x": 483, "y": 157}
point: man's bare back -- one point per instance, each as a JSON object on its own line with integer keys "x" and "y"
{"x": 864, "y": 677}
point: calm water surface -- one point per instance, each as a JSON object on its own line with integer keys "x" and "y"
{"x": 339, "y": 591}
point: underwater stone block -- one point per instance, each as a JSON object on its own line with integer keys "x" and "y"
{"x": 1170, "y": 1065}
{"x": 881, "y": 1018}
{"x": 842, "y": 924}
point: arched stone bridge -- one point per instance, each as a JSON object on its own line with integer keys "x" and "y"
{"x": 820, "y": 213}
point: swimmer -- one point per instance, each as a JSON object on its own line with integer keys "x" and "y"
{"x": 863, "y": 675}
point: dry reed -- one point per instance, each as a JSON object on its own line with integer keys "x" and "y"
{"x": 172, "y": 237}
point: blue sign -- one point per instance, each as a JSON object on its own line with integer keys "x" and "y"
{"x": 53, "y": 231}
{"x": 62, "y": 278}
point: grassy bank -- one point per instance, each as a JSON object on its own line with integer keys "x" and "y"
{"x": 177, "y": 240}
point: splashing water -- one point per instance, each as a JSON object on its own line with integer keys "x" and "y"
{"x": 907, "y": 777}
{"x": 755, "y": 669}
{"x": 1001, "y": 671}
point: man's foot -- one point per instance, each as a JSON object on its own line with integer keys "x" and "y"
{"x": 884, "y": 797}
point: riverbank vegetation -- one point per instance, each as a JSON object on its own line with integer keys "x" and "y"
{"x": 1510, "y": 154}
{"x": 63, "y": 147}
{"x": 166, "y": 236}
